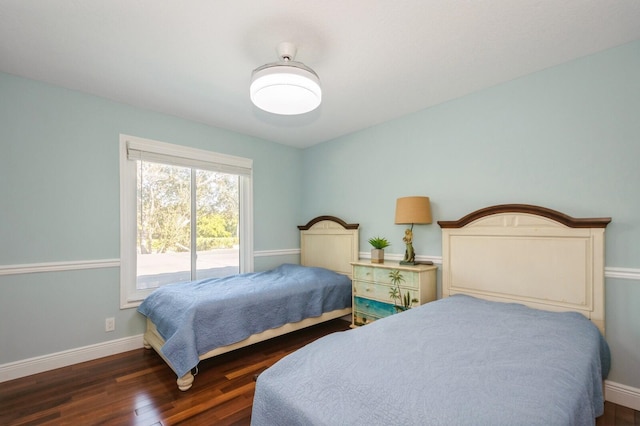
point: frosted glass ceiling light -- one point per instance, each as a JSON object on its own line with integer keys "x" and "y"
{"x": 285, "y": 87}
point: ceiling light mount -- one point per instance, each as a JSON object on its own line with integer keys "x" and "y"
{"x": 287, "y": 51}
{"x": 285, "y": 87}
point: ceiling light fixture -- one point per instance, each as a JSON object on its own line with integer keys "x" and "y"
{"x": 285, "y": 87}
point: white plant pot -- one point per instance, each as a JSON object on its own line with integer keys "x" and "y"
{"x": 377, "y": 256}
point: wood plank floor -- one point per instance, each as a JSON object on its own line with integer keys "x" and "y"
{"x": 137, "y": 388}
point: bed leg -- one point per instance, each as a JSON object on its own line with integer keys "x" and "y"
{"x": 146, "y": 344}
{"x": 185, "y": 382}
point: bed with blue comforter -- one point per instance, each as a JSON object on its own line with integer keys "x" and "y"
{"x": 195, "y": 317}
{"x": 456, "y": 361}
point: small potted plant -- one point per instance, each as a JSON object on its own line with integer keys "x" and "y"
{"x": 377, "y": 252}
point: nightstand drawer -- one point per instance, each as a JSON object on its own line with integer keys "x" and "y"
{"x": 372, "y": 290}
{"x": 373, "y": 308}
{"x": 381, "y": 275}
{"x": 361, "y": 318}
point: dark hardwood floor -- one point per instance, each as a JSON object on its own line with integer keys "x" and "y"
{"x": 137, "y": 388}
{"x": 617, "y": 415}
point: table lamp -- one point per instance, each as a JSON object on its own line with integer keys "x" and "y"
{"x": 411, "y": 210}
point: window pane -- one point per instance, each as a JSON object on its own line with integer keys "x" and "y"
{"x": 217, "y": 207}
{"x": 151, "y": 255}
{"x": 164, "y": 224}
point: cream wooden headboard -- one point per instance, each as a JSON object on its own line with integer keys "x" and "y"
{"x": 527, "y": 254}
{"x": 330, "y": 243}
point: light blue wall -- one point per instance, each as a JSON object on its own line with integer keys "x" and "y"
{"x": 59, "y": 192}
{"x": 567, "y": 138}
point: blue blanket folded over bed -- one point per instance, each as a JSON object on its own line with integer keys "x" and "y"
{"x": 457, "y": 361}
{"x": 199, "y": 316}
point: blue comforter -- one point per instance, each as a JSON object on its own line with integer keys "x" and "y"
{"x": 457, "y": 361}
{"x": 199, "y": 316}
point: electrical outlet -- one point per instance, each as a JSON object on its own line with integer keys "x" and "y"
{"x": 110, "y": 324}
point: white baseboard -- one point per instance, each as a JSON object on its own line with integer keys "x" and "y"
{"x": 622, "y": 394}
{"x": 27, "y": 367}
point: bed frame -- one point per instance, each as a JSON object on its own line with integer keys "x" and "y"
{"x": 325, "y": 241}
{"x": 527, "y": 254}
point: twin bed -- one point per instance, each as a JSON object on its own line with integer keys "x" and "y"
{"x": 192, "y": 321}
{"x": 517, "y": 337}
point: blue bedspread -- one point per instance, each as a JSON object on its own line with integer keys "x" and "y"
{"x": 457, "y": 361}
{"x": 199, "y": 316}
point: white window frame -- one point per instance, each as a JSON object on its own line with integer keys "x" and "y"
{"x": 132, "y": 147}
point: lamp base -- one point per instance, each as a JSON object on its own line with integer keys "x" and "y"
{"x": 420, "y": 262}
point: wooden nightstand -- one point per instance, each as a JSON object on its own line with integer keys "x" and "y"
{"x": 373, "y": 289}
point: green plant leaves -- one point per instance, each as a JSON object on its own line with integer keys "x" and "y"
{"x": 379, "y": 243}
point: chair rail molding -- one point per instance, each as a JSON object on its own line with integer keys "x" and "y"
{"x": 74, "y": 265}
{"x": 30, "y": 268}
{"x": 622, "y": 273}
{"x": 269, "y": 253}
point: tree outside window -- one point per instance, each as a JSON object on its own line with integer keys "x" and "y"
{"x": 168, "y": 210}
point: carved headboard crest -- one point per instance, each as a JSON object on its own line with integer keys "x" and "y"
{"x": 562, "y": 218}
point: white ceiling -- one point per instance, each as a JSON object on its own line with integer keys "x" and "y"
{"x": 377, "y": 60}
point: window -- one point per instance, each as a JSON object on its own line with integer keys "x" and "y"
{"x": 185, "y": 215}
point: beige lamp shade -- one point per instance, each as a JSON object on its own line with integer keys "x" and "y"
{"x": 410, "y": 210}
